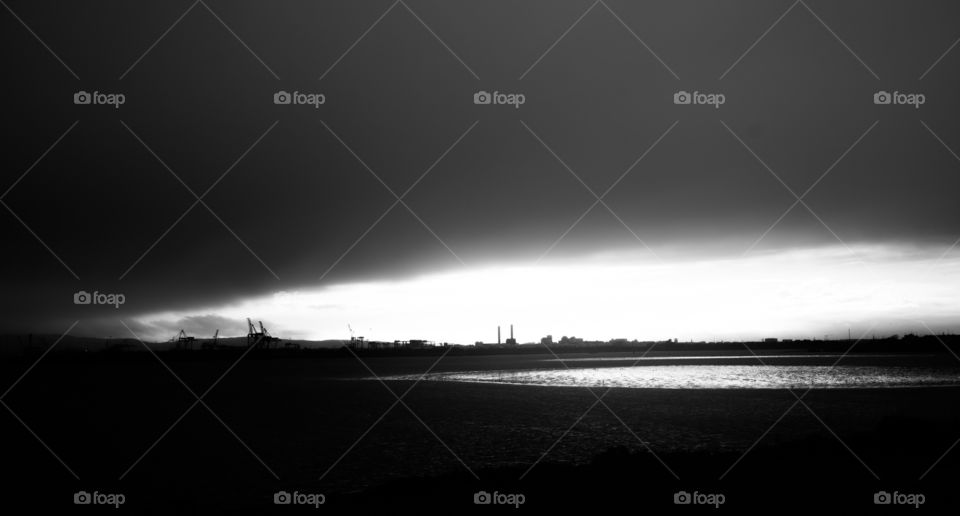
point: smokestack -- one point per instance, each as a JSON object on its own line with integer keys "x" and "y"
{"x": 498, "y": 335}
{"x": 511, "y": 332}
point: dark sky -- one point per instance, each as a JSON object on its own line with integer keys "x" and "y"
{"x": 202, "y": 96}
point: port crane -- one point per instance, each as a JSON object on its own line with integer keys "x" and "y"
{"x": 183, "y": 341}
{"x": 259, "y": 336}
{"x": 212, "y": 344}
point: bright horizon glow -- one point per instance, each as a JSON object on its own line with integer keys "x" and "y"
{"x": 790, "y": 294}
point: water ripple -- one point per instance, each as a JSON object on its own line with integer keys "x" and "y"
{"x": 713, "y": 377}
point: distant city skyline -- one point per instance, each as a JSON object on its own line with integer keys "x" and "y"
{"x": 894, "y": 290}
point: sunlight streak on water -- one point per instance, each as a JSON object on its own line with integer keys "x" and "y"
{"x": 713, "y": 377}
{"x": 717, "y": 357}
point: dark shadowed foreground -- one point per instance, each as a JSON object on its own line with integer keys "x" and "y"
{"x": 316, "y": 425}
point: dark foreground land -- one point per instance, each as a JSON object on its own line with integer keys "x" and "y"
{"x": 318, "y": 425}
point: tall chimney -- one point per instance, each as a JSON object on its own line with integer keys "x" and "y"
{"x": 511, "y": 332}
{"x": 498, "y": 335}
